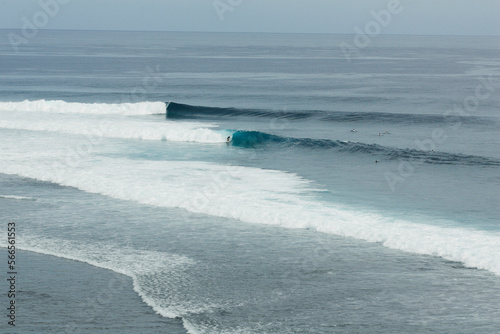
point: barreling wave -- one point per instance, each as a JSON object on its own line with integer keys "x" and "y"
{"x": 183, "y": 111}
{"x": 200, "y": 132}
{"x": 62, "y": 107}
{"x": 254, "y": 139}
{"x": 186, "y": 111}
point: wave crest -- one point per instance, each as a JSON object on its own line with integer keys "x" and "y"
{"x": 62, "y": 107}
{"x": 186, "y": 111}
{"x": 253, "y": 139}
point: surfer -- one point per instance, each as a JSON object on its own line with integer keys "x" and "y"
{"x": 228, "y": 139}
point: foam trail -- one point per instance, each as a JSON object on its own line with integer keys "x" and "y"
{"x": 233, "y": 192}
{"x": 62, "y": 107}
{"x": 151, "y": 271}
{"x": 19, "y": 198}
{"x": 97, "y": 127}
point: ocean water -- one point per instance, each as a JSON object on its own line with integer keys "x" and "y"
{"x": 253, "y": 183}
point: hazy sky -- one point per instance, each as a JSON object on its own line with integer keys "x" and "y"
{"x": 448, "y": 17}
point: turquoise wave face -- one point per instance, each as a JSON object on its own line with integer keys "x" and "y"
{"x": 255, "y": 139}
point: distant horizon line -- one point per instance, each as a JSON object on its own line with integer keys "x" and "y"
{"x": 250, "y": 32}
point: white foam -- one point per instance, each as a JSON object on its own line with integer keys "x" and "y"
{"x": 262, "y": 196}
{"x": 62, "y": 107}
{"x": 193, "y": 328}
{"x": 97, "y": 127}
{"x": 19, "y": 198}
{"x": 248, "y": 194}
{"x": 152, "y": 272}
